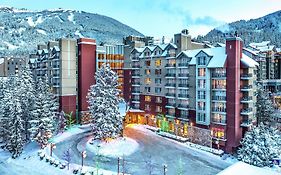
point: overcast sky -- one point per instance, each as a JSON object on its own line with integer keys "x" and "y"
{"x": 162, "y": 17}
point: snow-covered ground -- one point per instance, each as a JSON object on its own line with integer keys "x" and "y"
{"x": 114, "y": 148}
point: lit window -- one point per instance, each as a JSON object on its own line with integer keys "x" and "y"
{"x": 147, "y": 107}
{"x": 147, "y": 98}
{"x": 147, "y": 71}
{"x": 201, "y": 72}
{"x": 158, "y": 109}
{"x": 157, "y": 62}
{"x": 158, "y": 99}
{"x": 147, "y": 80}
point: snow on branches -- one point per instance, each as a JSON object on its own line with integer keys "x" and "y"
{"x": 103, "y": 99}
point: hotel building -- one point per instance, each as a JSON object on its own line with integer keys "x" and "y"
{"x": 211, "y": 88}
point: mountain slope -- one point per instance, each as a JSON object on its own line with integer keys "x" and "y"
{"x": 254, "y": 30}
{"x": 21, "y": 30}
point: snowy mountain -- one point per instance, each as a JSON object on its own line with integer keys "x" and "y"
{"x": 21, "y": 30}
{"x": 267, "y": 28}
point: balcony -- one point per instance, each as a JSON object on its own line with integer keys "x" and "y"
{"x": 218, "y": 75}
{"x": 218, "y": 121}
{"x": 136, "y": 66}
{"x": 219, "y": 98}
{"x": 246, "y": 88}
{"x": 171, "y": 105}
{"x": 183, "y": 65}
{"x": 173, "y": 75}
{"x": 170, "y": 65}
{"x": 183, "y": 106}
{"x": 246, "y": 76}
{"x": 183, "y": 96}
{"x": 183, "y": 75}
{"x": 220, "y": 110}
{"x": 136, "y": 84}
{"x": 246, "y": 111}
{"x": 218, "y": 87}
{"x": 170, "y": 95}
{"x": 135, "y": 92}
{"x": 170, "y": 85}
{"x": 246, "y": 99}
{"x": 183, "y": 86}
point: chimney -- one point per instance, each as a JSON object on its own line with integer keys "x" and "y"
{"x": 234, "y": 47}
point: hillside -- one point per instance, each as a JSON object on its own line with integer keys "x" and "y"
{"x": 267, "y": 28}
{"x": 21, "y": 30}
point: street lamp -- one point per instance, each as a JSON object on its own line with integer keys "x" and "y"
{"x": 83, "y": 156}
{"x": 52, "y": 147}
{"x": 165, "y": 169}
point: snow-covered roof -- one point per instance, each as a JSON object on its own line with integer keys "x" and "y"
{"x": 278, "y": 49}
{"x": 250, "y": 51}
{"x": 32, "y": 60}
{"x": 45, "y": 51}
{"x": 135, "y": 110}
{"x": 56, "y": 48}
{"x": 220, "y": 45}
{"x": 241, "y": 168}
{"x": 2, "y": 60}
{"x": 248, "y": 62}
{"x": 261, "y": 44}
{"x": 39, "y": 52}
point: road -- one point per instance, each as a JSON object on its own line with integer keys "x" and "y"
{"x": 153, "y": 152}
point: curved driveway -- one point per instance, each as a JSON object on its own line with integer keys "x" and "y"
{"x": 160, "y": 150}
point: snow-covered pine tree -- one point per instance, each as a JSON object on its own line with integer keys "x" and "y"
{"x": 67, "y": 157}
{"x": 103, "y": 99}
{"x": 26, "y": 88}
{"x": 260, "y": 146}
{"x": 15, "y": 140}
{"x": 44, "y": 120}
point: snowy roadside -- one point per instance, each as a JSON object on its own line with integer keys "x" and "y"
{"x": 29, "y": 162}
{"x": 198, "y": 148}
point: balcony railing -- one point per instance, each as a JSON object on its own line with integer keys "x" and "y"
{"x": 219, "y": 109}
{"x": 135, "y": 58}
{"x": 170, "y": 65}
{"x": 170, "y": 75}
{"x": 171, "y": 85}
{"x": 246, "y": 75}
{"x": 56, "y": 66}
{"x": 246, "y": 98}
{"x": 219, "y": 98}
{"x": 134, "y": 91}
{"x": 171, "y": 104}
{"x": 136, "y": 66}
{"x": 220, "y": 121}
{"x": 170, "y": 94}
{"x": 183, "y": 85}
{"x": 219, "y": 75}
{"x": 136, "y": 83}
{"x": 246, "y": 110}
{"x": 219, "y": 87}
{"x": 183, "y": 75}
{"x": 183, "y": 95}
{"x": 246, "y": 87}
{"x": 183, "y": 64}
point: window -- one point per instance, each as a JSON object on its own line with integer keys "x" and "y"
{"x": 201, "y": 72}
{"x": 157, "y": 71}
{"x": 147, "y": 98}
{"x": 147, "y": 63}
{"x": 147, "y": 107}
{"x": 147, "y": 89}
{"x": 158, "y": 90}
{"x": 184, "y": 113}
{"x": 218, "y": 133}
{"x": 201, "y": 117}
{"x": 157, "y": 80}
{"x": 201, "y": 106}
{"x": 201, "y": 60}
{"x": 158, "y": 99}
{"x": 157, "y": 62}
{"x": 219, "y": 84}
{"x": 147, "y": 71}
{"x": 158, "y": 109}
{"x": 201, "y": 95}
{"x": 147, "y": 80}
{"x": 201, "y": 83}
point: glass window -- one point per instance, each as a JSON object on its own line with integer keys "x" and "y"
{"x": 157, "y": 71}
{"x": 158, "y": 90}
{"x": 157, "y": 80}
{"x": 147, "y": 71}
{"x": 147, "y": 98}
{"x": 201, "y": 72}
{"x": 147, "y": 80}
{"x": 147, "y": 63}
{"x": 158, "y": 99}
{"x": 158, "y": 62}
{"x": 201, "y": 83}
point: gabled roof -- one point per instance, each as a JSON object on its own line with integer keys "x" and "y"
{"x": 261, "y": 44}
{"x": 56, "y": 48}
{"x": 32, "y": 60}
{"x": 39, "y": 52}
{"x": 248, "y": 62}
{"x": 45, "y": 51}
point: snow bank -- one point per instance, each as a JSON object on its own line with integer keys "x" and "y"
{"x": 10, "y": 46}
{"x": 71, "y": 18}
{"x": 69, "y": 133}
{"x": 114, "y": 148}
{"x": 41, "y": 31}
{"x": 240, "y": 168}
{"x": 79, "y": 34}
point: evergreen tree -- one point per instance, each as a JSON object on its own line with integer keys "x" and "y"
{"x": 260, "y": 146}
{"x": 67, "y": 157}
{"x": 103, "y": 102}
{"x": 27, "y": 95}
{"x": 265, "y": 109}
{"x": 44, "y": 121}
{"x": 15, "y": 140}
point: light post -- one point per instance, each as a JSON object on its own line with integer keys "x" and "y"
{"x": 52, "y": 147}
{"x": 83, "y": 156}
{"x": 97, "y": 162}
{"x": 165, "y": 169}
{"x": 118, "y": 169}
